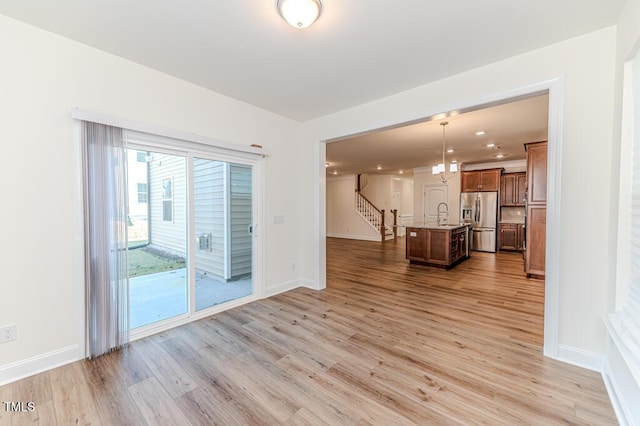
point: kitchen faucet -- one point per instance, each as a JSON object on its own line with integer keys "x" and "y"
{"x": 445, "y": 211}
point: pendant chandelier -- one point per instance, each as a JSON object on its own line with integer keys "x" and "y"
{"x": 441, "y": 168}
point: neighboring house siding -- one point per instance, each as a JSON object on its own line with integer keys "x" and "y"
{"x": 137, "y": 174}
{"x": 209, "y": 204}
{"x": 170, "y": 236}
{"x": 241, "y": 219}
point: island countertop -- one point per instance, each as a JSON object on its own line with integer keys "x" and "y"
{"x": 427, "y": 225}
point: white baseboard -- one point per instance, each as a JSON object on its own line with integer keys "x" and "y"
{"x": 313, "y": 285}
{"x": 282, "y": 287}
{"x": 37, "y": 364}
{"x": 354, "y": 237}
{"x": 581, "y": 358}
{"x": 290, "y": 285}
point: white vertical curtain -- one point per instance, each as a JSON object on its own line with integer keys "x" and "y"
{"x": 629, "y": 324}
{"x": 106, "y": 262}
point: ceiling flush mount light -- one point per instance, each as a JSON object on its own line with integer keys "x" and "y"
{"x": 441, "y": 168}
{"x": 299, "y": 13}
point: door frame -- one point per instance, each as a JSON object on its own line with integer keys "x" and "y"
{"x": 555, "y": 89}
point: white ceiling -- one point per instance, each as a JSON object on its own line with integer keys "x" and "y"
{"x": 358, "y": 51}
{"x": 508, "y": 126}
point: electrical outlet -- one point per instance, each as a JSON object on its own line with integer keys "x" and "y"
{"x": 8, "y": 333}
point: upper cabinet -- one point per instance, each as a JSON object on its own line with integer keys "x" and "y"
{"x": 481, "y": 180}
{"x": 513, "y": 188}
{"x": 537, "y": 172}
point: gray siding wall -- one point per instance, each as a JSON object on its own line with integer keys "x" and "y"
{"x": 209, "y": 203}
{"x": 170, "y": 236}
{"x": 241, "y": 219}
{"x": 213, "y": 181}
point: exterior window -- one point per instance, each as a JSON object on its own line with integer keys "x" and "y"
{"x": 143, "y": 195}
{"x": 141, "y": 157}
{"x": 167, "y": 200}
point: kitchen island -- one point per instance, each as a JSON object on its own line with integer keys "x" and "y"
{"x": 442, "y": 246}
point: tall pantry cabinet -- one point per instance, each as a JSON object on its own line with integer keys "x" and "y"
{"x": 536, "y": 222}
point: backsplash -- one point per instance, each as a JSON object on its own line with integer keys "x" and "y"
{"x": 512, "y": 214}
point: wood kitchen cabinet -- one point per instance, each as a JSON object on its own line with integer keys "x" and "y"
{"x": 438, "y": 241}
{"x": 513, "y": 188}
{"x": 536, "y": 241}
{"x": 481, "y": 180}
{"x": 458, "y": 244}
{"x": 511, "y": 236}
{"x": 416, "y": 242}
{"x": 521, "y": 235}
{"x": 435, "y": 246}
{"x": 537, "y": 172}
{"x": 536, "y": 223}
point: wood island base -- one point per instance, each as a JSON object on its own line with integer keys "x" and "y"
{"x": 438, "y": 246}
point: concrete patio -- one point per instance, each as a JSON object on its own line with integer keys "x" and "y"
{"x": 163, "y": 295}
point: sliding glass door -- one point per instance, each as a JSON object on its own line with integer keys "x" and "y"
{"x": 190, "y": 234}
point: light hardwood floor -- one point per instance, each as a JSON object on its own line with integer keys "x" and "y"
{"x": 386, "y": 343}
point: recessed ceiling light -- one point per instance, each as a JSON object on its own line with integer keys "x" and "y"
{"x": 400, "y": 172}
{"x": 500, "y": 156}
{"x": 480, "y": 133}
{"x": 379, "y": 168}
{"x": 335, "y": 172}
{"x": 449, "y": 151}
{"x": 490, "y": 145}
{"x": 454, "y": 161}
{"x": 326, "y": 164}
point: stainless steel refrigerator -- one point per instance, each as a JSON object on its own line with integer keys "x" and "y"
{"x": 480, "y": 210}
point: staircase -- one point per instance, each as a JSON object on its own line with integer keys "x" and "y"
{"x": 376, "y": 217}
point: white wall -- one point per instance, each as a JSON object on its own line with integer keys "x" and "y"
{"x": 378, "y": 191}
{"x": 44, "y": 76}
{"x": 585, "y": 67}
{"x": 343, "y": 221}
{"x": 407, "y": 197}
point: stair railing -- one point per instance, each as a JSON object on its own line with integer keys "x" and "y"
{"x": 375, "y": 216}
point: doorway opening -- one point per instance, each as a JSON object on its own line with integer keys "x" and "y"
{"x": 552, "y": 134}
